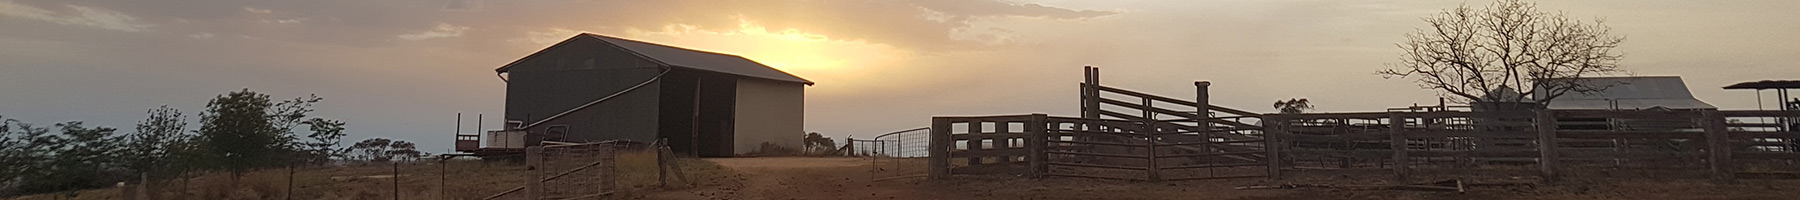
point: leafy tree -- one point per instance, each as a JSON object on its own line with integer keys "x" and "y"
{"x": 372, "y": 149}
{"x": 815, "y": 140}
{"x": 153, "y": 148}
{"x": 326, "y": 134}
{"x": 237, "y": 135}
{"x": 27, "y": 155}
{"x": 404, "y": 151}
{"x": 245, "y": 130}
{"x": 815, "y": 143}
{"x": 384, "y": 150}
{"x": 1293, "y": 106}
{"x": 23, "y": 148}
{"x": 86, "y": 159}
{"x": 1509, "y": 47}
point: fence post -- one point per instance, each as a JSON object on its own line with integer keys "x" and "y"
{"x": 1718, "y": 145}
{"x": 1272, "y": 144}
{"x": 443, "y": 177}
{"x": 1397, "y": 138}
{"x": 534, "y": 180}
{"x": 1547, "y": 151}
{"x": 396, "y": 179}
{"x": 1090, "y": 93}
{"x": 1035, "y": 144}
{"x": 940, "y": 148}
{"x": 1203, "y": 115}
{"x": 1149, "y": 132}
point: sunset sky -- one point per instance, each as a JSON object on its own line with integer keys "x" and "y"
{"x": 403, "y": 68}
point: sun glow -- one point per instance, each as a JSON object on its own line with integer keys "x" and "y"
{"x": 813, "y": 56}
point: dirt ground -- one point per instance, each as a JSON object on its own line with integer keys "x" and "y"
{"x": 849, "y": 178}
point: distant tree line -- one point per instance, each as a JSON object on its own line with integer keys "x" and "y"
{"x": 239, "y": 131}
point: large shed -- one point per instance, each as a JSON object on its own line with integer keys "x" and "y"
{"x": 593, "y": 87}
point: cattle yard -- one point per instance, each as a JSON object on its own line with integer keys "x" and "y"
{"x": 1129, "y": 135}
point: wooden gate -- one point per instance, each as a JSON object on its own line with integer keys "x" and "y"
{"x": 1121, "y": 134}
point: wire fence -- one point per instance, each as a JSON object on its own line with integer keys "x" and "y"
{"x": 584, "y": 171}
{"x": 895, "y": 155}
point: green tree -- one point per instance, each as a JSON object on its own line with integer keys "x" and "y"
{"x": 1293, "y": 106}
{"x": 384, "y": 150}
{"x": 154, "y": 147}
{"x": 238, "y": 135}
{"x": 28, "y": 155}
{"x": 87, "y": 159}
{"x": 372, "y": 149}
{"x": 325, "y": 136}
{"x": 23, "y": 148}
{"x": 245, "y": 130}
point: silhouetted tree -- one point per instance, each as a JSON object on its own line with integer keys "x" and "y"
{"x": 384, "y": 150}
{"x": 87, "y": 159}
{"x": 245, "y": 130}
{"x": 814, "y": 139}
{"x": 1293, "y": 106}
{"x": 238, "y": 135}
{"x": 1466, "y": 53}
{"x": 152, "y": 149}
{"x": 326, "y": 134}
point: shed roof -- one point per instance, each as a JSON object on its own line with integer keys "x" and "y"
{"x": 1767, "y": 84}
{"x": 1630, "y": 93}
{"x": 688, "y": 58}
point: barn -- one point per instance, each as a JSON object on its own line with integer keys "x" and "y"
{"x": 594, "y": 87}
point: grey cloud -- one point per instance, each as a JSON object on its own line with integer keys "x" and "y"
{"x": 906, "y": 24}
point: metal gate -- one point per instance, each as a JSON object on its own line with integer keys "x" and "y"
{"x": 895, "y": 155}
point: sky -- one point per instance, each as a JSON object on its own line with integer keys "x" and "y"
{"x": 403, "y": 69}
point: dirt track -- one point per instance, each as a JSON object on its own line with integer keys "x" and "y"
{"x": 849, "y": 178}
{"x": 795, "y": 178}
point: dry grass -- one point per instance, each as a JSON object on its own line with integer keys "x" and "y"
{"x": 464, "y": 179}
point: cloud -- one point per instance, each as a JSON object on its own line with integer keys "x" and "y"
{"x": 933, "y": 24}
{"x": 75, "y": 15}
{"x": 442, "y": 31}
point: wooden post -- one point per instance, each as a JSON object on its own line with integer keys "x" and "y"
{"x": 1718, "y": 145}
{"x": 1203, "y": 116}
{"x": 1090, "y": 90}
{"x": 1274, "y": 127}
{"x": 662, "y": 162}
{"x": 395, "y": 178}
{"x": 534, "y": 179}
{"x": 1547, "y": 153}
{"x": 1035, "y": 141}
{"x": 940, "y": 148}
{"x": 973, "y": 145}
{"x": 1397, "y": 139}
{"x": 1149, "y": 131}
{"x": 612, "y": 170}
{"x": 443, "y": 176}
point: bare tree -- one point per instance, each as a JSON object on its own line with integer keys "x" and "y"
{"x": 1509, "y": 47}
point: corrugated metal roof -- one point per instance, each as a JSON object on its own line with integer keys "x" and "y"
{"x": 694, "y": 59}
{"x": 1766, "y": 84}
{"x": 1630, "y": 93}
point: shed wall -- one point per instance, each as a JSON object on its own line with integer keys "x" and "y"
{"x": 578, "y": 72}
{"x": 769, "y": 111}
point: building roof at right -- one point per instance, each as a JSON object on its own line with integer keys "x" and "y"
{"x": 1629, "y": 93}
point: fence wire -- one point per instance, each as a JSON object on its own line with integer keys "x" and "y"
{"x": 899, "y": 154}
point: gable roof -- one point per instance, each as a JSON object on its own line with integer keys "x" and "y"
{"x": 1630, "y": 93}
{"x": 1766, "y": 84}
{"x": 685, "y": 58}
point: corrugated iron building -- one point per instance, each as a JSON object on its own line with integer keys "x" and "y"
{"x": 594, "y": 87}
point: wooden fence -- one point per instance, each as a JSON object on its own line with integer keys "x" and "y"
{"x": 1719, "y": 144}
{"x": 1040, "y": 145}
